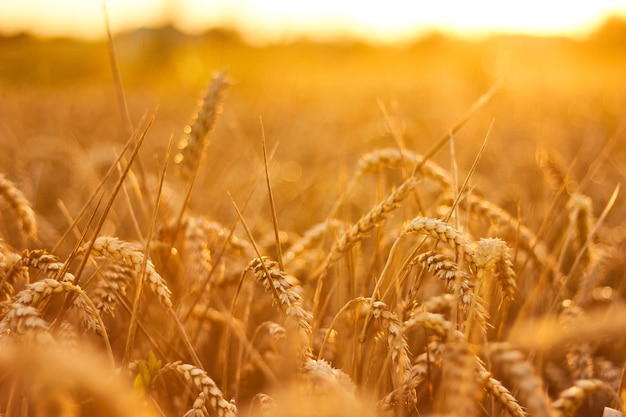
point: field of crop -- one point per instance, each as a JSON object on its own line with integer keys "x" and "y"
{"x": 200, "y": 227}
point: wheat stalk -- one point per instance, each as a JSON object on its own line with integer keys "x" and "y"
{"x": 193, "y": 145}
{"x": 116, "y": 277}
{"x": 25, "y": 320}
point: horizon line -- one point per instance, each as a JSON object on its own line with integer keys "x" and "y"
{"x": 338, "y": 37}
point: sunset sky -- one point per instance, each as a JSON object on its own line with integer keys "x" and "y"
{"x": 271, "y": 20}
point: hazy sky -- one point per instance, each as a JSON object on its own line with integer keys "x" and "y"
{"x": 261, "y": 20}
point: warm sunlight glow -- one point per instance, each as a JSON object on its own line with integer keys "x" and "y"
{"x": 271, "y": 20}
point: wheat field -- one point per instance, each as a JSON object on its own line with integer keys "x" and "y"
{"x": 206, "y": 228}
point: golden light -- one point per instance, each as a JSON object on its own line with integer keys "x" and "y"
{"x": 271, "y": 20}
{"x": 395, "y": 20}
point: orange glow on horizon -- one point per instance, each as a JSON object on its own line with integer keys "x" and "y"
{"x": 270, "y": 20}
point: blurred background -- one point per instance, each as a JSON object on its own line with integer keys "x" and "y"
{"x": 327, "y": 81}
{"x": 262, "y": 21}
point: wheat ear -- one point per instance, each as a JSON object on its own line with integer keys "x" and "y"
{"x": 395, "y": 158}
{"x": 205, "y": 384}
{"x": 16, "y": 199}
{"x": 38, "y": 291}
{"x": 525, "y": 238}
{"x": 492, "y": 255}
{"x": 197, "y": 134}
{"x": 361, "y": 229}
{"x": 399, "y": 352}
{"x": 456, "y": 282}
{"x": 199, "y": 408}
{"x": 499, "y": 392}
{"x": 431, "y": 321}
{"x": 442, "y": 232}
{"x": 310, "y": 238}
{"x": 459, "y": 383}
{"x": 579, "y": 355}
{"x": 322, "y": 375}
{"x": 570, "y": 399}
{"x": 10, "y": 271}
{"x": 26, "y": 321}
{"x": 285, "y": 289}
{"x": 514, "y": 365}
{"x": 47, "y": 263}
{"x": 131, "y": 255}
{"x": 116, "y": 277}
{"x": 581, "y": 217}
{"x": 267, "y": 405}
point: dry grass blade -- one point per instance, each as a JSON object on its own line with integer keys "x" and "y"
{"x": 115, "y": 69}
{"x": 97, "y": 189}
{"x": 147, "y": 272}
{"x": 103, "y": 217}
{"x": 279, "y": 251}
{"x": 465, "y": 184}
{"x": 481, "y": 102}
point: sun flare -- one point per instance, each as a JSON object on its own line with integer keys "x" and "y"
{"x": 271, "y": 20}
